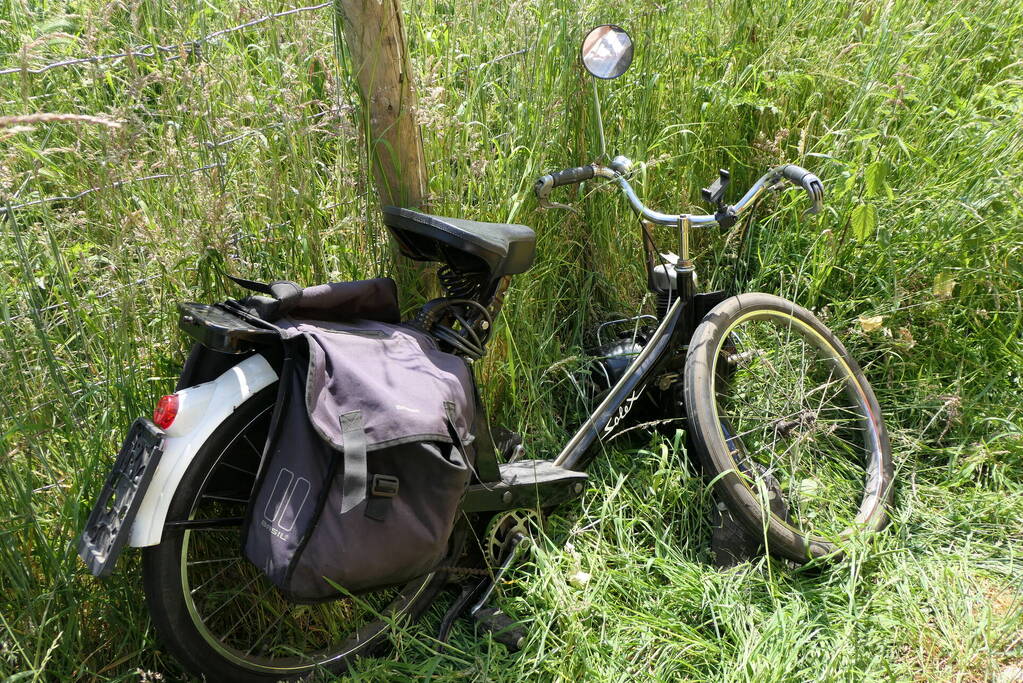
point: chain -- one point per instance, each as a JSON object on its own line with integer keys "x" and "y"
{"x": 472, "y": 571}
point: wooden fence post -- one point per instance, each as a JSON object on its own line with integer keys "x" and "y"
{"x": 375, "y": 35}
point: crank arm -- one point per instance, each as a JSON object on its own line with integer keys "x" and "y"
{"x": 520, "y": 543}
{"x": 478, "y": 594}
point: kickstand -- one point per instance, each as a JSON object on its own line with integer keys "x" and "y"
{"x": 492, "y": 619}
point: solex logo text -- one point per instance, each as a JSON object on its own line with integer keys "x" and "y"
{"x": 623, "y": 410}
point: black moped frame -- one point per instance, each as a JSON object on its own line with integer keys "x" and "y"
{"x": 663, "y": 353}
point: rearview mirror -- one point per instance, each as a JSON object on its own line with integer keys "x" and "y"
{"x": 607, "y": 51}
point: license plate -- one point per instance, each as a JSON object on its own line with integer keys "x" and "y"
{"x": 110, "y": 521}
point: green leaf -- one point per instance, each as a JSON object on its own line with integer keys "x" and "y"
{"x": 944, "y": 285}
{"x": 875, "y": 178}
{"x": 864, "y": 221}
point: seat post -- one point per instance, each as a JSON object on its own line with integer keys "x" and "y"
{"x": 497, "y": 299}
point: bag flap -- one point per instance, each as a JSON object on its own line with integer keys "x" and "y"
{"x": 403, "y": 386}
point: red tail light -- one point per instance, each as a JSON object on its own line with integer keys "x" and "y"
{"x": 166, "y": 410}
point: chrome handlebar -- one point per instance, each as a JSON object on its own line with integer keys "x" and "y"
{"x": 621, "y": 165}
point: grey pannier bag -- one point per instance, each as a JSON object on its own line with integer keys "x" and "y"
{"x": 366, "y": 460}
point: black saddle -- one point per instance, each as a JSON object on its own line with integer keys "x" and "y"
{"x": 500, "y": 248}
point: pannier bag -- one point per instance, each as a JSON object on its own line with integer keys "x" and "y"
{"x": 366, "y": 460}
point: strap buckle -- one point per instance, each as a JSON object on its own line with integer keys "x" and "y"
{"x": 384, "y": 486}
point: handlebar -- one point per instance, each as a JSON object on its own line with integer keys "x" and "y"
{"x": 790, "y": 172}
{"x": 572, "y": 175}
{"x": 808, "y": 181}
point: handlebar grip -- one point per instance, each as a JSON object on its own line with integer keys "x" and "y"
{"x": 798, "y": 175}
{"x": 572, "y": 175}
{"x": 546, "y": 183}
{"x": 794, "y": 173}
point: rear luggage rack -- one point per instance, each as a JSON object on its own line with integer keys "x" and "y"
{"x": 219, "y": 329}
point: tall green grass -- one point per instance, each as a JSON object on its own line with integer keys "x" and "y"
{"x": 910, "y": 112}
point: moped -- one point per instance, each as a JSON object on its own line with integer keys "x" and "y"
{"x": 780, "y": 418}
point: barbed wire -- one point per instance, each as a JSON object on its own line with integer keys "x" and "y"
{"x": 495, "y": 60}
{"x": 65, "y": 304}
{"x": 209, "y": 145}
{"x": 175, "y": 51}
{"x": 276, "y": 124}
{"x": 4, "y": 210}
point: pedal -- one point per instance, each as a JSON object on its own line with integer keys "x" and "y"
{"x": 479, "y": 594}
{"x": 509, "y": 444}
{"x": 503, "y": 628}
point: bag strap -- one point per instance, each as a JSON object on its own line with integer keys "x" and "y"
{"x": 353, "y": 489}
{"x": 451, "y": 413}
{"x": 283, "y": 382}
{"x": 286, "y": 294}
{"x": 384, "y": 487}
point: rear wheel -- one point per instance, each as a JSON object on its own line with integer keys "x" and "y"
{"x": 216, "y": 612}
{"x": 777, "y": 405}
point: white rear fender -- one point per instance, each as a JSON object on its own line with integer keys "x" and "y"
{"x": 201, "y": 409}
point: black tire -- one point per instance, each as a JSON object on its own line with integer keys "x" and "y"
{"x": 175, "y": 610}
{"x": 737, "y": 357}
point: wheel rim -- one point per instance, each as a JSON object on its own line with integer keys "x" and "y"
{"x": 238, "y": 612}
{"x": 795, "y": 420}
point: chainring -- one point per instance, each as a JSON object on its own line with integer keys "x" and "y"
{"x": 503, "y": 526}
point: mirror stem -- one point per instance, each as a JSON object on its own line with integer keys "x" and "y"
{"x": 600, "y": 122}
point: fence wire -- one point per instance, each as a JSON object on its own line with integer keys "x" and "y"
{"x": 4, "y": 210}
{"x": 173, "y": 52}
{"x": 64, "y": 304}
{"x": 209, "y": 145}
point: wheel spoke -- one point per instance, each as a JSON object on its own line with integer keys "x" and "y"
{"x": 234, "y": 596}
{"x": 270, "y": 629}
{"x": 234, "y": 608}
{"x": 213, "y": 524}
{"x": 216, "y": 560}
{"x": 239, "y": 469}
{"x": 788, "y": 402}
{"x": 224, "y": 499}
{"x": 215, "y": 576}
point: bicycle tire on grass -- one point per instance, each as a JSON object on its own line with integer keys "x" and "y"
{"x": 775, "y": 403}
{"x": 217, "y": 613}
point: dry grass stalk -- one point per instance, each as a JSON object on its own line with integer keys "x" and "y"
{"x": 29, "y": 119}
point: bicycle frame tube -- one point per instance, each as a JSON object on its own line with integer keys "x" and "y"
{"x": 674, "y": 330}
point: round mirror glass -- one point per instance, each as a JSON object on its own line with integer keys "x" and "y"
{"x": 607, "y": 51}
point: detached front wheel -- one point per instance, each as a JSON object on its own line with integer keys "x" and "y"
{"x": 777, "y": 406}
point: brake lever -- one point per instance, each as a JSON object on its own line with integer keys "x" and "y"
{"x": 547, "y": 204}
{"x": 803, "y": 179}
{"x": 815, "y": 191}
{"x": 543, "y": 188}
